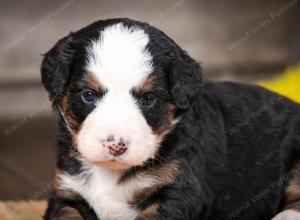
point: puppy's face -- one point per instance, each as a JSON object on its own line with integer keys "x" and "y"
{"x": 117, "y": 103}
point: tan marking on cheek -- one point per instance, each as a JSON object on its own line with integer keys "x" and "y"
{"x": 58, "y": 190}
{"x": 292, "y": 190}
{"x": 68, "y": 213}
{"x": 68, "y": 114}
{"x": 149, "y": 213}
{"x": 167, "y": 126}
{"x": 147, "y": 85}
{"x": 93, "y": 82}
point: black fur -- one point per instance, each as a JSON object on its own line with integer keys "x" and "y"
{"x": 56, "y": 67}
{"x": 233, "y": 141}
{"x": 56, "y": 203}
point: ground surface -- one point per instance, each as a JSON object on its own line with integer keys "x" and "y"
{"x": 28, "y": 210}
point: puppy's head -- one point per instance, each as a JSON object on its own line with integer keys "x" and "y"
{"x": 120, "y": 86}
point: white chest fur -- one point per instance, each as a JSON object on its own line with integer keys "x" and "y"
{"x": 100, "y": 188}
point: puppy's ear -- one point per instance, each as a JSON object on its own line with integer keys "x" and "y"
{"x": 56, "y": 65}
{"x": 185, "y": 80}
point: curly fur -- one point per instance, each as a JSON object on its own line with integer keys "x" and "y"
{"x": 232, "y": 143}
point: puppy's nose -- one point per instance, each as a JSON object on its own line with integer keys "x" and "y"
{"x": 116, "y": 147}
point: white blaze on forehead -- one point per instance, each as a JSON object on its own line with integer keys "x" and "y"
{"x": 119, "y": 57}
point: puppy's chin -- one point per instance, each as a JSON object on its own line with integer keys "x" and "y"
{"x": 113, "y": 165}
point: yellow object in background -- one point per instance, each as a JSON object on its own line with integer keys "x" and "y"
{"x": 287, "y": 84}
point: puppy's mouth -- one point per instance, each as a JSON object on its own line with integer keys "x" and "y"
{"x": 107, "y": 160}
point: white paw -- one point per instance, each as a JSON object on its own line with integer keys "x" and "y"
{"x": 287, "y": 215}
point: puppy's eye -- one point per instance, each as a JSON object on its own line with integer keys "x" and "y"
{"x": 148, "y": 100}
{"x": 89, "y": 96}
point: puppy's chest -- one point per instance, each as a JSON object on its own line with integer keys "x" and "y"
{"x": 110, "y": 199}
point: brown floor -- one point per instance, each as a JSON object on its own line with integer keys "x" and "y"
{"x": 33, "y": 210}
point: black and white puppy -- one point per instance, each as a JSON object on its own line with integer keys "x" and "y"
{"x": 143, "y": 136}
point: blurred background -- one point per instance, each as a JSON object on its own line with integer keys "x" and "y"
{"x": 243, "y": 41}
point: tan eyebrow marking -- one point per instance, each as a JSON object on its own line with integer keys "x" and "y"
{"x": 93, "y": 82}
{"x": 147, "y": 85}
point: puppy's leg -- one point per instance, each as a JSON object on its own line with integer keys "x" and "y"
{"x": 67, "y": 213}
{"x": 291, "y": 197}
{"x": 63, "y": 208}
{"x": 55, "y": 204}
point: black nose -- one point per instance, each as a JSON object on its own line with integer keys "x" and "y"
{"x": 115, "y": 147}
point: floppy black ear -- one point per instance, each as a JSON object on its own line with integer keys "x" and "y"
{"x": 56, "y": 65}
{"x": 185, "y": 81}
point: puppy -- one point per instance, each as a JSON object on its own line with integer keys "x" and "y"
{"x": 143, "y": 136}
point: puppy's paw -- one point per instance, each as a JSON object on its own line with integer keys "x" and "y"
{"x": 287, "y": 215}
{"x": 68, "y": 213}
